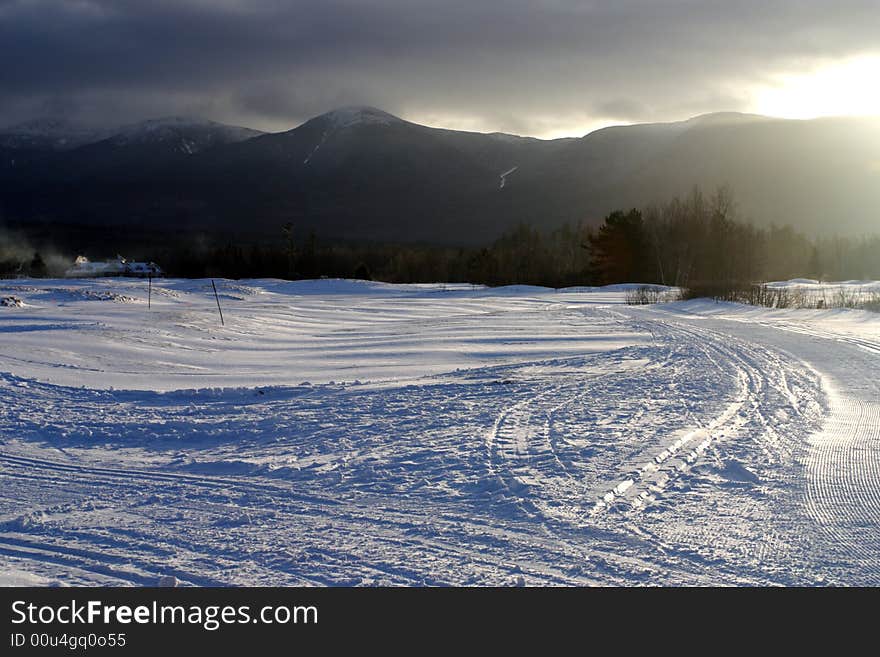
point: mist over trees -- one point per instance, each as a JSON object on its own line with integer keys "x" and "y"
{"x": 687, "y": 242}
{"x": 701, "y": 240}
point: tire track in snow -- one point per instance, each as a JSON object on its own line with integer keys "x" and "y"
{"x": 124, "y": 567}
{"x": 389, "y": 533}
{"x": 757, "y": 370}
{"x": 840, "y": 480}
{"x": 522, "y": 448}
{"x": 504, "y": 443}
{"x": 38, "y": 555}
{"x": 130, "y": 475}
{"x": 640, "y": 488}
{"x": 200, "y": 492}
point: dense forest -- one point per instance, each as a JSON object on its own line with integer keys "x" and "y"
{"x": 685, "y": 242}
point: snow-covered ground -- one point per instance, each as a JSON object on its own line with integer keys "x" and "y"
{"x": 841, "y": 294}
{"x": 342, "y": 432}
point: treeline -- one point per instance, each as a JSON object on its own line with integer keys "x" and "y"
{"x": 687, "y": 242}
{"x": 699, "y": 240}
{"x": 30, "y": 267}
{"x": 556, "y": 258}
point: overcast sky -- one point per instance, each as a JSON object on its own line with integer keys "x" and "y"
{"x": 534, "y": 67}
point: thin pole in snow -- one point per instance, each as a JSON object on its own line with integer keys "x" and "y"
{"x": 150, "y": 293}
{"x": 217, "y": 297}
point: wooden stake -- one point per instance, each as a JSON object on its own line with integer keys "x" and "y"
{"x": 150, "y": 293}
{"x": 217, "y": 297}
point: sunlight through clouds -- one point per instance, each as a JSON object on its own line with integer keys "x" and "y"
{"x": 847, "y": 88}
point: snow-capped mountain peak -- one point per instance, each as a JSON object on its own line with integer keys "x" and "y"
{"x": 51, "y": 133}
{"x": 44, "y": 127}
{"x": 180, "y": 133}
{"x": 186, "y": 134}
{"x": 176, "y": 127}
{"x": 345, "y": 117}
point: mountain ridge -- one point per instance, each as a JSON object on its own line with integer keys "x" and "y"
{"x": 362, "y": 173}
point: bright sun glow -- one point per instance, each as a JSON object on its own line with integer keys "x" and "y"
{"x": 848, "y": 88}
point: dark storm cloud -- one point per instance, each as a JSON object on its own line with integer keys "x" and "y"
{"x": 520, "y": 65}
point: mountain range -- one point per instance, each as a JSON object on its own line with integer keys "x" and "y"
{"x": 360, "y": 173}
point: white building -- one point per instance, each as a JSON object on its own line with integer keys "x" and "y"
{"x": 84, "y": 268}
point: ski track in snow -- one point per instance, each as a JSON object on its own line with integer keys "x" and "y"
{"x": 448, "y": 435}
{"x": 315, "y": 149}
{"x": 504, "y": 175}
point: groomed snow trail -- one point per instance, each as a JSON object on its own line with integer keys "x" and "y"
{"x": 843, "y": 485}
{"x": 409, "y": 435}
{"x": 841, "y": 463}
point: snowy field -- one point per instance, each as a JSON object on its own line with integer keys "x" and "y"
{"x": 352, "y": 433}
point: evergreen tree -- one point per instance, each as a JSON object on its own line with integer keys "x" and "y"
{"x": 362, "y": 272}
{"x": 620, "y": 249}
{"x": 289, "y": 249}
{"x": 37, "y": 268}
